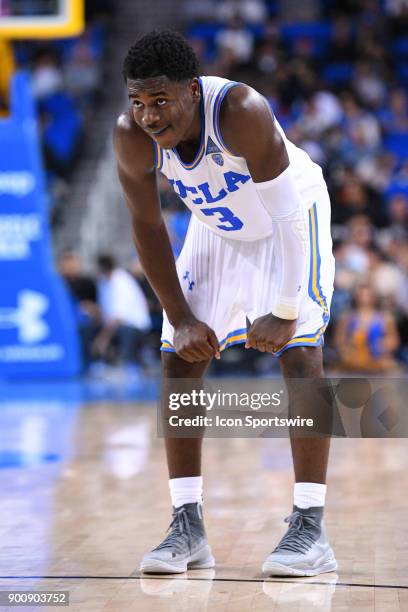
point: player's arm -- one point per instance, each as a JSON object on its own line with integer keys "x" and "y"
{"x": 193, "y": 340}
{"x": 248, "y": 129}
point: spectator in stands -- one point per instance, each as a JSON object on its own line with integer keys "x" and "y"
{"x": 295, "y": 82}
{"x": 342, "y": 45}
{"x": 394, "y": 117}
{"x": 352, "y": 262}
{"x": 82, "y": 289}
{"x": 362, "y": 129}
{"x": 355, "y": 114}
{"x": 250, "y": 11}
{"x": 199, "y": 11}
{"x": 267, "y": 56}
{"x": 235, "y": 42}
{"x": 344, "y": 280}
{"x": 399, "y": 182}
{"x": 396, "y": 8}
{"x": 385, "y": 277}
{"x": 369, "y": 85}
{"x": 307, "y": 10}
{"x": 377, "y": 171}
{"x": 155, "y": 309}
{"x": 320, "y": 112}
{"x": 125, "y": 314}
{"x": 62, "y": 126}
{"x": 47, "y": 76}
{"x": 397, "y": 213}
{"x": 366, "y": 337}
{"x": 354, "y": 253}
{"x": 354, "y": 198}
{"x": 82, "y": 74}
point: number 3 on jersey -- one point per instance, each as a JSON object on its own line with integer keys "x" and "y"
{"x": 229, "y": 222}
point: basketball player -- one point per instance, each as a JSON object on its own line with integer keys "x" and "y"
{"x": 258, "y": 247}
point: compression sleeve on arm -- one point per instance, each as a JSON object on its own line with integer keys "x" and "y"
{"x": 282, "y": 201}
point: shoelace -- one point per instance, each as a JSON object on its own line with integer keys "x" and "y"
{"x": 298, "y": 538}
{"x": 179, "y": 525}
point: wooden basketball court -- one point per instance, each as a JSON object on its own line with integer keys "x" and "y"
{"x": 83, "y": 523}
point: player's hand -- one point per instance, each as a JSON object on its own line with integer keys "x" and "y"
{"x": 195, "y": 341}
{"x": 269, "y": 333}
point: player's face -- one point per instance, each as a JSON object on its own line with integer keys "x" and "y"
{"x": 164, "y": 109}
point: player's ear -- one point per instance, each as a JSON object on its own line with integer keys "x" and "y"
{"x": 195, "y": 87}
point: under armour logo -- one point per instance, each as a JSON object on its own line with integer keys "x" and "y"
{"x": 187, "y": 278}
{"x": 27, "y": 317}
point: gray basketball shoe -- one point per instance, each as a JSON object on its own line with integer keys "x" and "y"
{"x": 185, "y": 547}
{"x": 304, "y": 549}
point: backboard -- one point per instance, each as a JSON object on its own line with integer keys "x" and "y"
{"x": 41, "y": 18}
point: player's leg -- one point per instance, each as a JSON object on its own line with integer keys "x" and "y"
{"x": 310, "y": 455}
{"x": 183, "y": 453}
{"x": 304, "y": 550}
{"x": 204, "y": 270}
{"x": 186, "y": 545}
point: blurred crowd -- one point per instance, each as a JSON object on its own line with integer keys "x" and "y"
{"x": 66, "y": 76}
{"x": 115, "y": 316}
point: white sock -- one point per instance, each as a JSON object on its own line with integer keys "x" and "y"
{"x": 309, "y": 494}
{"x": 186, "y": 490}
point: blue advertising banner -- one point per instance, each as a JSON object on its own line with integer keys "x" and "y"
{"x": 37, "y": 330}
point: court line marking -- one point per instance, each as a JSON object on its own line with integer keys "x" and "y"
{"x": 169, "y": 577}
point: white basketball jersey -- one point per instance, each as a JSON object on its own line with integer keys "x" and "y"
{"x": 217, "y": 186}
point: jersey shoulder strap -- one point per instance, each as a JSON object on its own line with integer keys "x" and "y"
{"x": 214, "y": 91}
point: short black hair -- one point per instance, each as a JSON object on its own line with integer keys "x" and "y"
{"x": 106, "y": 262}
{"x": 161, "y": 53}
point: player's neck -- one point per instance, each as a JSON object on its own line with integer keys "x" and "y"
{"x": 188, "y": 147}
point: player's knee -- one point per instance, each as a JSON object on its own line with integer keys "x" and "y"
{"x": 303, "y": 362}
{"x": 174, "y": 366}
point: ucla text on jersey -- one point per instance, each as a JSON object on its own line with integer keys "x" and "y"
{"x": 232, "y": 180}
{"x": 228, "y": 221}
